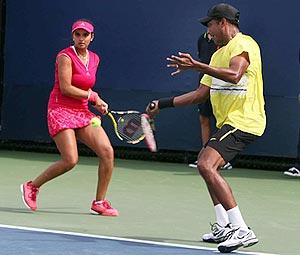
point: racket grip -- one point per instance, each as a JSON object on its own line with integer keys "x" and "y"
{"x": 152, "y": 125}
{"x": 152, "y": 105}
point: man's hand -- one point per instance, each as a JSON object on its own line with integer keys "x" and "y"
{"x": 182, "y": 62}
{"x": 152, "y": 108}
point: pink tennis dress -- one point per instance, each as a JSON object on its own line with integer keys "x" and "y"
{"x": 66, "y": 112}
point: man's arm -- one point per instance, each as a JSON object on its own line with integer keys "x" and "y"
{"x": 194, "y": 97}
{"x": 237, "y": 66}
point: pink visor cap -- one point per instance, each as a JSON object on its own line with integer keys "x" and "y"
{"x": 83, "y": 25}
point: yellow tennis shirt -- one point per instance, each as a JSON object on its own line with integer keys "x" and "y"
{"x": 240, "y": 105}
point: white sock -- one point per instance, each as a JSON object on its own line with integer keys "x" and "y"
{"x": 221, "y": 215}
{"x": 236, "y": 218}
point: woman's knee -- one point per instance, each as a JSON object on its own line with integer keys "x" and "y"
{"x": 70, "y": 162}
{"x": 107, "y": 152}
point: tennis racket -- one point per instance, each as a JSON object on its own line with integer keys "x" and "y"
{"x": 127, "y": 125}
{"x": 149, "y": 129}
{"x": 133, "y": 127}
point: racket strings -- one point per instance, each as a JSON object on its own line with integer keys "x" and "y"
{"x": 129, "y": 127}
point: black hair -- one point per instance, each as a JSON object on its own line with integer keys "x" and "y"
{"x": 233, "y": 22}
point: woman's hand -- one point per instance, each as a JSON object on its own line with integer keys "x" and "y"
{"x": 101, "y": 106}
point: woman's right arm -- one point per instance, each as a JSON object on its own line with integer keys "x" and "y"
{"x": 65, "y": 79}
{"x": 67, "y": 89}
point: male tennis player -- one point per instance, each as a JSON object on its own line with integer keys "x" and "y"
{"x": 233, "y": 79}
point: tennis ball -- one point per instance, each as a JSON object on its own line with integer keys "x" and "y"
{"x": 96, "y": 122}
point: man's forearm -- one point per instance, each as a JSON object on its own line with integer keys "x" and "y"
{"x": 193, "y": 97}
{"x": 224, "y": 74}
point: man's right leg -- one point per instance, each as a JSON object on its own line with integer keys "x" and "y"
{"x": 221, "y": 194}
{"x": 205, "y": 128}
{"x": 295, "y": 170}
{"x": 208, "y": 165}
{"x": 204, "y": 133}
{"x": 209, "y": 162}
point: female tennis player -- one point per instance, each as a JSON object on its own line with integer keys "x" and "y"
{"x": 69, "y": 119}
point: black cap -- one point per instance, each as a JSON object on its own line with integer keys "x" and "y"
{"x": 221, "y": 10}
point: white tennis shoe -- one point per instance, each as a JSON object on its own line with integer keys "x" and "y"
{"x": 293, "y": 171}
{"x": 194, "y": 164}
{"x": 227, "y": 166}
{"x": 218, "y": 233}
{"x": 239, "y": 238}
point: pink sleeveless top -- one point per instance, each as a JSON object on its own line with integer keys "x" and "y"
{"x": 83, "y": 77}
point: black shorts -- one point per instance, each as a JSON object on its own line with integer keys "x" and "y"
{"x": 229, "y": 141}
{"x": 205, "y": 109}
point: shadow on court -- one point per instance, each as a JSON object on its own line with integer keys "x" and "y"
{"x": 52, "y": 210}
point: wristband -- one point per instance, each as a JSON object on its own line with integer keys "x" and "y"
{"x": 165, "y": 102}
{"x": 89, "y": 95}
{"x": 92, "y": 96}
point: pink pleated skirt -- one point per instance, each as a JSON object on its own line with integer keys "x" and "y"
{"x": 60, "y": 118}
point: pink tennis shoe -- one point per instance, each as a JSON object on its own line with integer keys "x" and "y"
{"x": 104, "y": 208}
{"x": 29, "y": 193}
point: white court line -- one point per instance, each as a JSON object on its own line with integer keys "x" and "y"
{"x": 124, "y": 239}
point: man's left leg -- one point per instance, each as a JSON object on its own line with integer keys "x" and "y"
{"x": 209, "y": 163}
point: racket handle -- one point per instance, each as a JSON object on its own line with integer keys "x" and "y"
{"x": 152, "y": 125}
{"x": 151, "y": 121}
{"x": 152, "y": 105}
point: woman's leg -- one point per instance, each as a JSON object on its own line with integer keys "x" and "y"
{"x": 67, "y": 146}
{"x": 96, "y": 139}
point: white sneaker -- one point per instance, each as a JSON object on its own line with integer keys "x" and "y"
{"x": 218, "y": 233}
{"x": 227, "y": 166}
{"x": 293, "y": 171}
{"x": 239, "y": 238}
{"x": 194, "y": 165}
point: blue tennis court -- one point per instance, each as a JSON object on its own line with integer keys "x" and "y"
{"x": 20, "y": 240}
